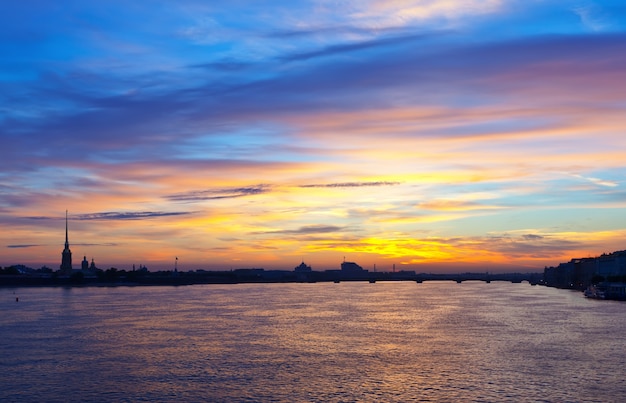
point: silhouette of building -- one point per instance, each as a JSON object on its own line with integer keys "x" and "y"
{"x": 303, "y": 272}
{"x": 579, "y": 273}
{"x": 302, "y": 268}
{"x": 85, "y": 264}
{"x": 66, "y": 255}
{"x": 351, "y": 267}
{"x": 351, "y": 270}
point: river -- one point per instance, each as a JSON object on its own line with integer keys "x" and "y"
{"x": 321, "y": 342}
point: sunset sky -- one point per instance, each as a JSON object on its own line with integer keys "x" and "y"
{"x": 436, "y": 135}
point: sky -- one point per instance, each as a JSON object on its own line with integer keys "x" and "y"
{"x": 433, "y": 135}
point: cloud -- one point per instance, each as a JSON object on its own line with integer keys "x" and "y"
{"x": 420, "y": 11}
{"x": 113, "y": 215}
{"x": 334, "y": 50}
{"x": 306, "y": 230}
{"x": 592, "y": 17}
{"x": 223, "y": 65}
{"x": 486, "y": 249}
{"x": 453, "y": 205}
{"x": 597, "y": 181}
{"x": 375, "y": 90}
{"x": 529, "y": 245}
{"x": 147, "y": 125}
{"x": 331, "y": 31}
{"x": 73, "y": 244}
{"x": 128, "y": 215}
{"x": 217, "y": 194}
{"x": 95, "y": 244}
{"x": 350, "y": 184}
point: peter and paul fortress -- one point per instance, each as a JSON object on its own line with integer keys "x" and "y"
{"x": 66, "y": 255}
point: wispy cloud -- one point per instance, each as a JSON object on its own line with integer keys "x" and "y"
{"x": 332, "y": 32}
{"x": 114, "y": 215}
{"x": 129, "y": 215}
{"x": 73, "y": 244}
{"x": 335, "y": 50}
{"x": 411, "y": 11}
{"x": 350, "y": 184}
{"x": 593, "y": 17}
{"x": 95, "y": 244}
{"x": 305, "y": 230}
{"x": 454, "y": 205}
{"x": 217, "y": 194}
{"x": 597, "y": 181}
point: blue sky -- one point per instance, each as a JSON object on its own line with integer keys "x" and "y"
{"x": 434, "y": 135}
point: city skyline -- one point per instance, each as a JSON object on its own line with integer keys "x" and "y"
{"x": 429, "y": 135}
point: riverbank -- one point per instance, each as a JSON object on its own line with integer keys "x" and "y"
{"x": 134, "y": 278}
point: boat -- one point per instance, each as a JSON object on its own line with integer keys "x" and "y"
{"x": 594, "y": 292}
{"x": 607, "y": 290}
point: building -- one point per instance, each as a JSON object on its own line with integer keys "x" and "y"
{"x": 351, "y": 267}
{"x": 579, "y": 273}
{"x": 302, "y": 268}
{"x": 612, "y": 264}
{"x": 352, "y": 271}
{"x": 66, "y": 255}
{"x": 303, "y": 272}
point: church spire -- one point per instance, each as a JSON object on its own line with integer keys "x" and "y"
{"x": 67, "y": 243}
{"x": 66, "y": 255}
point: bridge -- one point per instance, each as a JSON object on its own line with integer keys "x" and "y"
{"x": 372, "y": 277}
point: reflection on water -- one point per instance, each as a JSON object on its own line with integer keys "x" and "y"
{"x": 400, "y": 341}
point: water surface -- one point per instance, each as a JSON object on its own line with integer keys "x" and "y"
{"x": 346, "y": 342}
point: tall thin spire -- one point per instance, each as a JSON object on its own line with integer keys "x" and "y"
{"x": 67, "y": 243}
{"x": 66, "y": 255}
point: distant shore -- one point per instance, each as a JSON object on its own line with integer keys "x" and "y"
{"x": 132, "y": 278}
